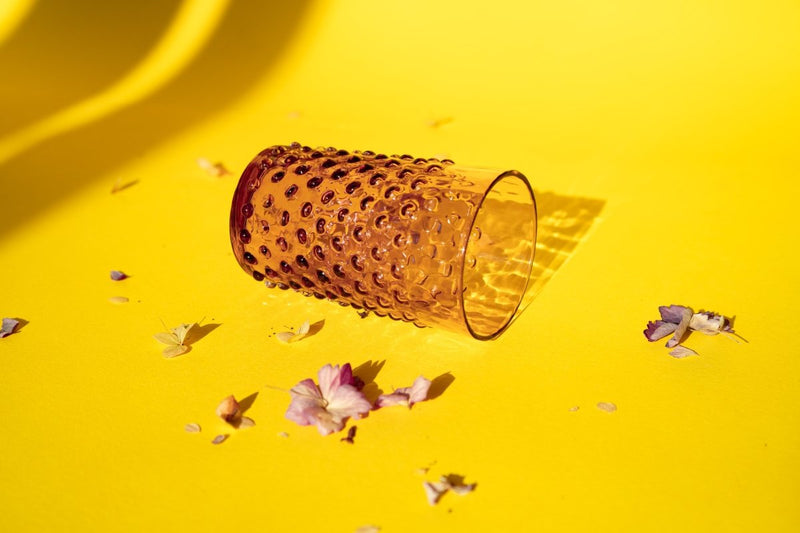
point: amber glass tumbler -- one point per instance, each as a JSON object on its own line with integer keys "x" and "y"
{"x": 420, "y": 240}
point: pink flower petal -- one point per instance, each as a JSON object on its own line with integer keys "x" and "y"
{"x": 417, "y": 392}
{"x": 329, "y": 405}
{"x": 347, "y": 401}
{"x": 118, "y": 275}
{"x": 395, "y": 398}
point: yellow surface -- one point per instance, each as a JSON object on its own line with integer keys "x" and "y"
{"x": 661, "y": 139}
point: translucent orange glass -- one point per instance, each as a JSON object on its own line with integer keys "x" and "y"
{"x": 420, "y": 240}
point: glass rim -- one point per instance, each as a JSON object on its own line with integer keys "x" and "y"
{"x": 505, "y": 175}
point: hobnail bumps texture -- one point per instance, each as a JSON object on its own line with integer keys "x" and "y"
{"x": 384, "y": 233}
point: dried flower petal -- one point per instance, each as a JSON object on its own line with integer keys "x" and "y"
{"x": 228, "y": 409}
{"x": 673, "y": 313}
{"x": 245, "y": 422}
{"x": 678, "y": 319}
{"x": 659, "y": 329}
{"x": 710, "y": 323}
{"x": 680, "y": 351}
{"x": 175, "y": 340}
{"x": 574, "y": 408}
{"x": 368, "y": 529}
{"x": 192, "y": 428}
{"x": 118, "y": 275}
{"x": 330, "y": 404}
{"x": 417, "y": 392}
{"x": 8, "y": 327}
{"x": 118, "y": 300}
{"x": 680, "y": 331}
{"x": 608, "y": 407}
{"x": 434, "y": 491}
{"x": 219, "y": 439}
{"x": 212, "y": 169}
{"x": 288, "y": 336}
{"x": 283, "y": 434}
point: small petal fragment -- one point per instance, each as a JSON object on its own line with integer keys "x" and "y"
{"x": 434, "y": 491}
{"x": 417, "y": 392}
{"x": 212, "y": 169}
{"x": 219, "y": 439}
{"x": 608, "y": 407}
{"x": 680, "y": 351}
{"x": 368, "y": 529}
{"x": 118, "y": 300}
{"x": 192, "y": 428}
{"x": 8, "y": 327}
{"x": 118, "y": 275}
{"x": 245, "y": 422}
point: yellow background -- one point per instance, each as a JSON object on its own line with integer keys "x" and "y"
{"x": 660, "y": 137}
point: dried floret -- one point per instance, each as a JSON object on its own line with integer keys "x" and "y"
{"x": 175, "y": 340}
{"x": 288, "y": 336}
{"x": 228, "y": 410}
{"x": 434, "y": 490}
{"x": 678, "y": 319}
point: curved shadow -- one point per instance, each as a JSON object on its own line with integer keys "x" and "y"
{"x": 249, "y": 39}
{"x": 65, "y": 51}
{"x": 12, "y": 16}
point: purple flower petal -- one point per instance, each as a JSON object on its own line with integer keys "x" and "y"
{"x": 659, "y": 329}
{"x": 673, "y": 313}
{"x": 9, "y": 325}
{"x": 118, "y": 275}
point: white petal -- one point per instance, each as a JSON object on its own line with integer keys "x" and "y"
{"x": 434, "y": 491}
{"x": 679, "y": 352}
{"x": 173, "y": 351}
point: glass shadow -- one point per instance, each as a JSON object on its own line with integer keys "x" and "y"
{"x": 249, "y": 40}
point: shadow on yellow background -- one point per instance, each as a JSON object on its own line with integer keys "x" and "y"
{"x": 96, "y": 49}
{"x": 564, "y": 221}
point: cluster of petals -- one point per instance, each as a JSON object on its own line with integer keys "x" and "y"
{"x": 339, "y": 397}
{"x": 677, "y": 320}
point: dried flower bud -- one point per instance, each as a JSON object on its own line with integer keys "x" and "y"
{"x": 228, "y": 409}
